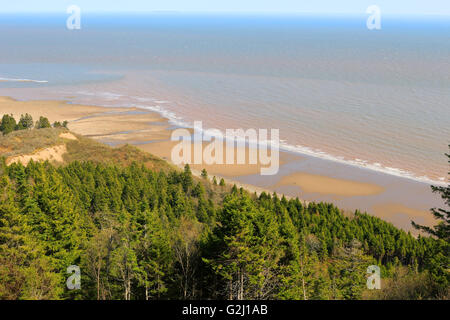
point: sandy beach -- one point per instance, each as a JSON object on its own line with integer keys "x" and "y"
{"x": 151, "y": 132}
{"x": 53, "y": 110}
{"x": 326, "y": 185}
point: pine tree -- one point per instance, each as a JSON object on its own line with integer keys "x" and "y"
{"x": 442, "y": 229}
{"x": 198, "y": 190}
{"x": 187, "y": 180}
{"x": 154, "y": 256}
{"x": 8, "y": 124}
{"x": 42, "y": 123}
{"x": 25, "y": 270}
{"x": 243, "y": 253}
{"x": 125, "y": 268}
{"x": 348, "y": 271}
{"x": 438, "y": 261}
{"x": 25, "y": 122}
{"x": 138, "y": 234}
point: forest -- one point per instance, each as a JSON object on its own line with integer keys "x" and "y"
{"x": 139, "y": 233}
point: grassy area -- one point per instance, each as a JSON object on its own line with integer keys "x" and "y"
{"x": 83, "y": 149}
{"x": 29, "y": 141}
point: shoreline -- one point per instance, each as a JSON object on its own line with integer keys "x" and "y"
{"x": 317, "y": 153}
{"x": 305, "y": 177}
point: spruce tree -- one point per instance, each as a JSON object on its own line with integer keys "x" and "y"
{"x": 438, "y": 261}
{"x": 42, "y": 123}
{"x": 442, "y": 229}
{"x": 25, "y": 122}
{"x": 8, "y": 124}
{"x": 187, "y": 180}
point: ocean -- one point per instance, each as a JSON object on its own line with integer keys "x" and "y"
{"x": 378, "y": 99}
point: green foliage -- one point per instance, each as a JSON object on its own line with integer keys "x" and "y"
{"x": 58, "y": 124}
{"x": 186, "y": 179}
{"x": 27, "y": 141}
{"x": 139, "y": 233}
{"x": 8, "y": 124}
{"x": 25, "y": 122}
{"x": 42, "y": 123}
{"x": 439, "y": 263}
{"x": 442, "y": 229}
{"x": 83, "y": 149}
{"x": 405, "y": 284}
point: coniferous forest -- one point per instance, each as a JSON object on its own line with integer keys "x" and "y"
{"x": 140, "y": 233}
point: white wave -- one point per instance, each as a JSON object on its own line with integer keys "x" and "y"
{"x": 171, "y": 116}
{"x": 22, "y": 80}
{"x": 102, "y": 95}
{"x": 140, "y": 99}
{"x": 376, "y": 166}
{"x": 110, "y": 96}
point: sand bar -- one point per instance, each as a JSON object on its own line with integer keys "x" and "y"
{"x": 53, "y": 110}
{"x": 401, "y": 215}
{"x": 326, "y": 185}
{"x": 163, "y": 149}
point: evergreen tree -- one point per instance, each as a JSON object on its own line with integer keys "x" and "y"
{"x": 154, "y": 256}
{"x": 187, "y": 180}
{"x": 8, "y": 124}
{"x": 442, "y": 229}
{"x": 25, "y": 122}
{"x": 245, "y": 250}
{"x": 141, "y": 234}
{"x": 439, "y": 261}
{"x": 42, "y": 123}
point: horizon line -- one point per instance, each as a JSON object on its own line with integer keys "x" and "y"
{"x": 223, "y": 12}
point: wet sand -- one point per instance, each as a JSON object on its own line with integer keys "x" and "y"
{"x": 399, "y": 214}
{"x": 53, "y": 110}
{"x": 164, "y": 149}
{"x": 325, "y": 185}
{"x": 397, "y": 200}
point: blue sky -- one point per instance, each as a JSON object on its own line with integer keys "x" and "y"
{"x": 408, "y": 7}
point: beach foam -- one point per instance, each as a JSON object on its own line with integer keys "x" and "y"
{"x": 22, "y": 80}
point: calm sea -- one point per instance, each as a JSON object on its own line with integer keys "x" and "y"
{"x": 378, "y": 99}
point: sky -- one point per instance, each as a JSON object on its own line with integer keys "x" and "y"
{"x": 407, "y": 7}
